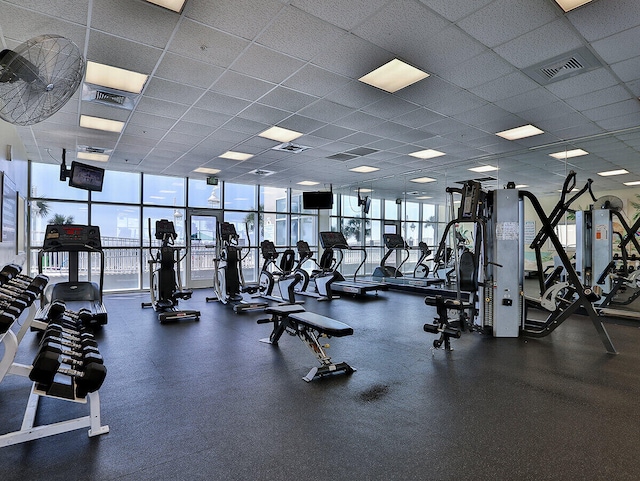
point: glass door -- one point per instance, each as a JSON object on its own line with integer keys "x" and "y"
{"x": 202, "y": 228}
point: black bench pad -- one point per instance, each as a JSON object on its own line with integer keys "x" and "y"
{"x": 323, "y": 324}
{"x": 284, "y": 310}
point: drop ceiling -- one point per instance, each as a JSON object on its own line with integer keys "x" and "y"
{"x": 222, "y": 72}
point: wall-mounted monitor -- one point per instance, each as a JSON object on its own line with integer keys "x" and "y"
{"x": 88, "y": 177}
{"x": 317, "y": 200}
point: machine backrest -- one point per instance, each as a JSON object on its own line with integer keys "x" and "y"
{"x": 287, "y": 261}
{"x": 468, "y": 272}
{"x": 326, "y": 261}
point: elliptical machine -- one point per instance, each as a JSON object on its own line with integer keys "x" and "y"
{"x": 228, "y": 280}
{"x": 282, "y": 275}
{"x": 164, "y": 276}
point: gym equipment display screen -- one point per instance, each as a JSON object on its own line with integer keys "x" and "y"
{"x": 86, "y": 177}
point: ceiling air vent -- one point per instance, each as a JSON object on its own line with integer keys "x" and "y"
{"x": 563, "y": 66}
{"x": 290, "y": 147}
{"x": 261, "y": 172}
{"x": 342, "y": 157}
{"x": 361, "y": 151}
{"x": 111, "y": 97}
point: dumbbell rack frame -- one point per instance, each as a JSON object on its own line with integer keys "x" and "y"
{"x": 28, "y": 431}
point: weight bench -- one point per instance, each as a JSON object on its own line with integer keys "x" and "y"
{"x": 308, "y": 327}
{"x": 442, "y": 325}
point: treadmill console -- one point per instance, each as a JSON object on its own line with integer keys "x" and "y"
{"x": 394, "y": 241}
{"x": 72, "y": 237}
{"x": 330, "y": 239}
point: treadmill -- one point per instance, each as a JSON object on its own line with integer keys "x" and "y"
{"x": 393, "y": 275}
{"x": 76, "y": 294}
{"x": 337, "y": 242}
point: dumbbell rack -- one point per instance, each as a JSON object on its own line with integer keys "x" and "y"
{"x": 28, "y": 431}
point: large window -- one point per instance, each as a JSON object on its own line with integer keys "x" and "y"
{"x": 131, "y": 202}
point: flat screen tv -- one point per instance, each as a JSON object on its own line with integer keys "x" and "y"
{"x": 86, "y": 177}
{"x": 317, "y": 200}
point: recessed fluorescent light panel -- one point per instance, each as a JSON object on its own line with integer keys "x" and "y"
{"x": 364, "y": 169}
{"x": 207, "y": 170}
{"x": 115, "y": 78}
{"x": 567, "y": 154}
{"x": 424, "y": 197}
{"x": 422, "y": 180}
{"x": 567, "y": 5}
{"x": 520, "y": 132}
{"x": 483, "y": 168}
{"x": 635, "y": 182}
{"x": 393, "y": 76}
{"x": 364, "y": 191}
{"x": 521, "y": 186}
{"x": 96, "y": 157}
{"x": 279, "y": 134}
{"x": 175, "y": 5}
{"x": 99, "y": 123}
{"x": 308, "y": 182}
{"x": 613, "y": 172}
{"x": 427, "y": 154}
{"x": 230, "y": 154}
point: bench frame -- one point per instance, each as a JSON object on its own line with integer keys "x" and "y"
{"x": 292, "y": 319}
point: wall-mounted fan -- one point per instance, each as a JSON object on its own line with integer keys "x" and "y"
{"x": 610, "y": 202}
{"x": 38, "y": 78}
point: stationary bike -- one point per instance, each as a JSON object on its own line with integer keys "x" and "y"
{"x": 281, "y": 275}
{"x": 164, "y": 277}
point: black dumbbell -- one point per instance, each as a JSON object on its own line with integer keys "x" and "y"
{"x": 83, "y": 344}
{"x": 58, "y": 309}
{"x": 75, "y": 357}
{"x": 8, "y": 272}
{"x": 47, "y": 364}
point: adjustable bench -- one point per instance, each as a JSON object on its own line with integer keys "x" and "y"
{"x": 308, "y": 327}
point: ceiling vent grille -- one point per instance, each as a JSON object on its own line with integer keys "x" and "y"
{"x": 563, "y": 66}
{"x": 262, "y": 172}
{"x": 110, "y": 98}
{"x": 290, "y": 147}
{"x": 342, "y": 157}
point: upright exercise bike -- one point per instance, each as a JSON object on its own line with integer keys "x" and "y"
{"x": 164, "y": 276}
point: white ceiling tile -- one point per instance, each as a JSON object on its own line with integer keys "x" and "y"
{"x": 133, "y": 23}
{"x": 454, "y": 11}
{"x": 121, "y": 53}
{"x": 172, "y": 67}
{"x": 618, "y": 47}
{"x": 263, "y": 63}
{"x": 627, "y": 70}
{"x": 504, "y": 87}
{"x": 237, "y": 85}
{"x": 481, "y": 68}
{"x": 342, "y": 14}
{"x": 225, "y": 104}
{"x": 245, "y": 18}
{"x": 172, "y": 91}
{"x": 600, "y": 19}
{"x": 581, "y": 84}
{"x": 325, "y": 111}
{"x": 206, "y": 44}
{"x": 599, "y": 98}
{"x": 311, "y": 34}
{"x": 504, "y": 20}
{"x": 286, "y": 99}
{"x": 315, "y": 80}
{"x": 545, "y": 42}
